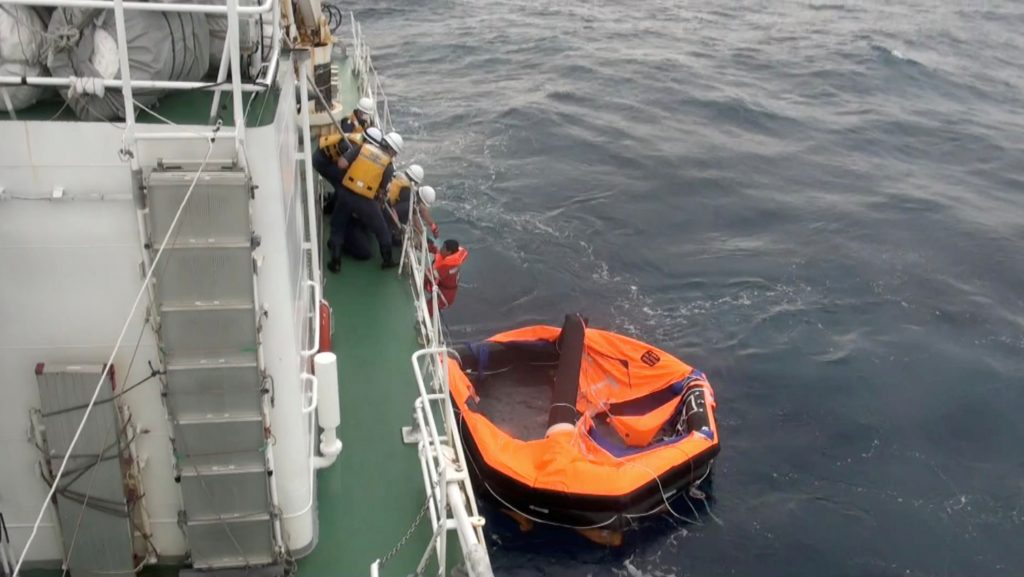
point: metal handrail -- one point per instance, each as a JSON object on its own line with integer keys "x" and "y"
{"x": 451, "y": 503}
{"x": 62, "y": 82}
{"x": 147, "y": 6}
{"x": 369, "y": 81}
{"x": 231, "y": 56}
{"x": 445, "y": 474}
{"x": 450, "y": 498}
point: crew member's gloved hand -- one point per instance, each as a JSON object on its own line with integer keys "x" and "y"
{"x": 435, "y": 230}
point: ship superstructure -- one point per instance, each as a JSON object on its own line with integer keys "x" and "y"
{"x": 169, "y": 394}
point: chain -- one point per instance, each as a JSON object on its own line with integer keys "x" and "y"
{"x": 408, "y": 534}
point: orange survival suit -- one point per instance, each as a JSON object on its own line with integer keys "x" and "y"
{"x": 446, "y": 270}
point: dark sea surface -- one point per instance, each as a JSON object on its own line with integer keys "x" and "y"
{"x": 819, "y": 204}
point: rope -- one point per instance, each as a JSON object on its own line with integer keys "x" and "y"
{"x": 110, "y": 361}
{"x": 62, "y": 38}
{"x": 8, "y": 103}
{"x": 29, "y": 29}
{"x": 85, "y": 503}
{"x": 153, "y": 374}
{"x": 335, "y": 17}
{"x": 655, "y": 477}
{"x": 166, "y": 120}
{"x": 323, "y": 101}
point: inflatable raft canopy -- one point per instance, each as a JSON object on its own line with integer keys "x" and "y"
{"x": 581, "y": 427}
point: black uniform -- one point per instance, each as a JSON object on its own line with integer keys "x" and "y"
{"x": 348, "y": 203}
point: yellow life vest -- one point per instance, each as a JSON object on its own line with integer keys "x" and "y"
{"x": 395, "y": 188}
{"x": 367, "y": 170}
{"x": 330, "y": 143}
{"x": 356, "y": 127}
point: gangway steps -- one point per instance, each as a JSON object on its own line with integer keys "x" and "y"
{"x": 214, "y": 387}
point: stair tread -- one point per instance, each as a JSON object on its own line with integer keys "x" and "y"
{"x": 251, "y": 456}
{"x": 215, "y": 470}
{"x": 184, "y": 177}
{"x": 191, "y": 362}
{"x": 250, "y": 571}
{"x": 243, "y": 518}
{"x": 216, "y": 305}
{"x": 232, "y": 241}
{"x": 213, "y": 566}
{"x": 216, "y": 418}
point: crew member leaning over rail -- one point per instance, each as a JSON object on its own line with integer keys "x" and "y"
{"x": 366, "y": 171}
{"x": 326, "y": 157}
{"x": 402, "y": 190}
{"x": 353, "y": 127}
{"x": 360, "y": 119}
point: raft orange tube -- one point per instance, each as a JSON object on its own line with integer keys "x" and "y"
{"x": 645, "y": 429}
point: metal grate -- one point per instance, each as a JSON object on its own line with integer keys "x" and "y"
{"x": 98, "y": 537}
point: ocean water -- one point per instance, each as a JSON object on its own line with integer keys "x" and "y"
{"x": 819, "y": 204}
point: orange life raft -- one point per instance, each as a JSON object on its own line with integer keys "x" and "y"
{"x": 581, "y": 427}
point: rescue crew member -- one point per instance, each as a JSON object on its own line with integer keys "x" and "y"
{"x": 366, "y": 170}
{"x": 402, "y": 189}
{"x": 352, "y": 128}
{"x": 448, "y": 263}
{"x": 361, "y": 117}
{"x": 327, "y": 156}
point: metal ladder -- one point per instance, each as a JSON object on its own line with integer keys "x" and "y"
{"x": 215, "y": 387}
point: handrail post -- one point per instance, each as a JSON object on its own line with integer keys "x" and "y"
{"x": 126, "y": 88}
{"x": 275, "y": 46}
{"x": 236, "y": 78}
{"x": 222, "y": 75}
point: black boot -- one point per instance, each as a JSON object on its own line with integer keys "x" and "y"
{"x": 335, "y": 264}
{"x": 389, "y": 259}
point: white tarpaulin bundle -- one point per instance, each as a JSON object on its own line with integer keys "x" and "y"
{"x": 248, "y": 33}
{"x": 22, "y": 45}
{"x": 161, "y": 46}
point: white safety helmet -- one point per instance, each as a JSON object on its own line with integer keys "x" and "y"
{"x": 374, "y": 135}
{"x": 415, "y": 173}
{"x": 394, "y": 141}
{"x": 427, "y": 195}
{"x": 366, "y": 105}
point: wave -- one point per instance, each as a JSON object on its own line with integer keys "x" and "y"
{"x": 892, "y": 54}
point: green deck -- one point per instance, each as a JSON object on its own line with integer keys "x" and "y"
{"x": 369, "y": 498}
{"x": 182, "y": 108}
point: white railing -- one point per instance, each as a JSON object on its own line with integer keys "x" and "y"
{"x": 369, "y": 82}
{"x": 450, "y": 502}
{"x": 312, "y": 241}
{"x": 230, "y": 60}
